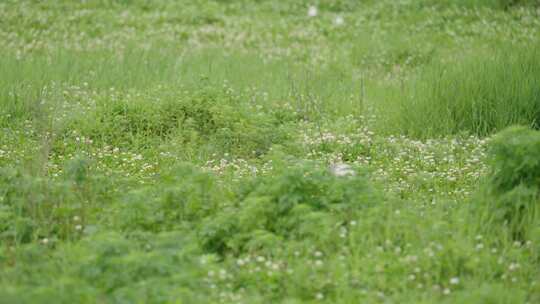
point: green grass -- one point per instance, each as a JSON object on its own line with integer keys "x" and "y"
{"x": 22, "y": 90}
{"x": 245, "y": 152}
{"x": 479, "y": 95}
{"x": 496, "y": 4}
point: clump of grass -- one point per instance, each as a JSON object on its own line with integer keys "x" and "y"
{"x": 481, "y": 95}
{"x": 510, "y": 199}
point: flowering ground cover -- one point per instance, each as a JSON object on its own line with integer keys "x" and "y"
{"x": 332, "y": 151}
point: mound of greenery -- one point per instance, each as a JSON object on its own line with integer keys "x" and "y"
{"x": 300, "y": 204}
{"x": 509, "y": 204}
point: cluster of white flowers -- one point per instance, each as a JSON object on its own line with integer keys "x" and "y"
{"x": 313, "y": 11}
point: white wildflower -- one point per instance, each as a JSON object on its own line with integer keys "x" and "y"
{"x": 312, "y": 11}
{"x": 339, "y": 20}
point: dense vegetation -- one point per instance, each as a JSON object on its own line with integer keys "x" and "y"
{"x": 335, "y": 151}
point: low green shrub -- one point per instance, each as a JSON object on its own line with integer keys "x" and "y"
{"x": 107, "y": 266}
{"x": 510, "y": 199}
{"x": 296, "y": 204}
{"x": 515, "y": 159}
{"x": 180, "y": 196}
{"x": 205, "y": 119}
{"x": 35, "y": 208}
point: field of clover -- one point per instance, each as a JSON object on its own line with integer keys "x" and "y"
{"x": 241, "y": 151}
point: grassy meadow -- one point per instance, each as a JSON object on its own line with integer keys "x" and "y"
{"x": 237, "y": 151}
